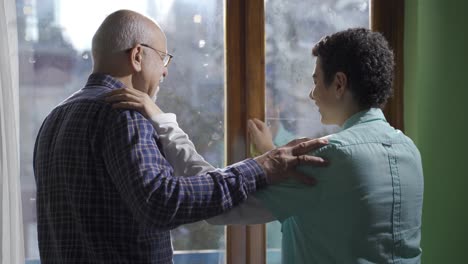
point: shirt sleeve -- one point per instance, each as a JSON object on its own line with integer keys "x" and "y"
{"x": 180, "y": 152}
{"x": 292, "y": 198}
{"x": 151, "y": 191}
{"x": 178, "y": 148}
{"x": 250, "y": 212}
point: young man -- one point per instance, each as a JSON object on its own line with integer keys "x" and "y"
{"x": 367, "y": 206}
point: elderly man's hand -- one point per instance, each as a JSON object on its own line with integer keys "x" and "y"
{"x": 279, "y": 164}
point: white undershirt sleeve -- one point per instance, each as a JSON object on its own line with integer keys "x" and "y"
{"x": 182, "y": 155}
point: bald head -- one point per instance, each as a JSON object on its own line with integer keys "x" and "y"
{"x": 121, "y": 31}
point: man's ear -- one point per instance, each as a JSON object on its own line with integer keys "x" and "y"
{"x": 341, "y": 84}
{"x": 136, "y": 58}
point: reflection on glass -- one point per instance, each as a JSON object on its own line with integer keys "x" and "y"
{"x": 55, "y": 60}
{"x": 292, "y": 27}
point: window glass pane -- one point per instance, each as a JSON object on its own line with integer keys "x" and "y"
{"x": 55, "y": 61}
{"x": 291, "y": 29}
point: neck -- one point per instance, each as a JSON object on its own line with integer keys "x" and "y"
{"x": 119, "y": 74}
{"x": 348, "y": 111}
{"x": 115, "y": 66}
{"x": 126, "y": 80}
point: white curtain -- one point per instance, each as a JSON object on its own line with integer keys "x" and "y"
{"x": 11, "y": 222}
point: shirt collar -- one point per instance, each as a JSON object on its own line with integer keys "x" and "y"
{"x": 368, "y": 115}
{"x": 99, "y": 79}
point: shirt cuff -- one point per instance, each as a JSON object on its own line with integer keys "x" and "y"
{"x": 164, "y": 118}
{"x": 254, "y": 175}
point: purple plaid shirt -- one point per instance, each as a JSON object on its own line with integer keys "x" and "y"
{"x": 106, "y": 194}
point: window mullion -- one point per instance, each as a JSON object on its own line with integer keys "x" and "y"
{"x": 245, "y": 91}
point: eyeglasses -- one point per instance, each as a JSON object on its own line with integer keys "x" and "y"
{"x": 167, "y": 57}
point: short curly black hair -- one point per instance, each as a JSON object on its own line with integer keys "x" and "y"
{"x": 366, "y": 59}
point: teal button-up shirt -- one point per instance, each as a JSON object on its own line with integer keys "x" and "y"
{"x": 367, "y": 205}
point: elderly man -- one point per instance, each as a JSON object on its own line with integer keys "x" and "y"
{"x": 105, "y": 192}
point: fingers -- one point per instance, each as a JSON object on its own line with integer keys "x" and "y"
{"x": 128, "y": 105}
{"x": 297, "y": 141}
{"x": 308, "y": 146}
{"x": 311, "y": 160}
{"x": 123, "y": 97}
{"x": 129, "y": 98}
{"x": 259, "y": 124}
{"x": 252, "y": 128}
{"x": 302, "y": 178}
{"x": 123, "y": 91}
{"x": 254, "y": 133}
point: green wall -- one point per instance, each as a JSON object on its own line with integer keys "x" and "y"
{"x": 436, "y": 118}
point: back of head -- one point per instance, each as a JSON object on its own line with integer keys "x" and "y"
{"x": 366, "y": 59}
{"x": 120, "y": 31}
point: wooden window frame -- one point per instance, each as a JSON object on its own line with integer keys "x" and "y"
{"x": 245, "y": 82}
{"x": 245, "y": 95}
{"x": 387, "y": 17}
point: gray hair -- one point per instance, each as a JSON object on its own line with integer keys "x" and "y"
{"x": 120, "y": 31}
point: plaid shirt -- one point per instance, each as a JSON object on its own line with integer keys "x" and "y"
{"x": 106, "y": 194}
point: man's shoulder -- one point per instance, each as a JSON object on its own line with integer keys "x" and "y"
{"x": 129, "y": 117}
{"x": 94, "y": 114}
{"x": 99, "y": 107}
{"x": 86, "y": 110}
{"x": 361, "y": 142}
{"x": 334, "y": 149}
{"x": 344, "y": 143}
{"x": 368, "y": 133}
{"x": 128, "y": 122}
